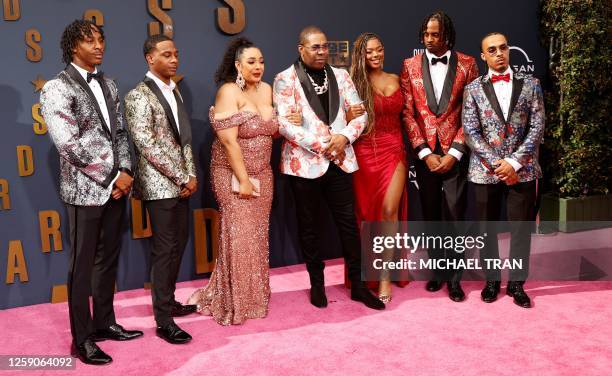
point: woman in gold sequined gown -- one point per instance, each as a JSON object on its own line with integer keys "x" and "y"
{"x": 244, "y": 122}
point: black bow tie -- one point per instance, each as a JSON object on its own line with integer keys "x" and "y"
{"x": 98, "y": 76}
{"x": 443, "y": 60}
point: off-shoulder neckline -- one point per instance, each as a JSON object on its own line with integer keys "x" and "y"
{"x": 214, "y": 118}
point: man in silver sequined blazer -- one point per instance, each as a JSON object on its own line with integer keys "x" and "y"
{"x": 165, "y": 176}
{"x": 82, "y": 110}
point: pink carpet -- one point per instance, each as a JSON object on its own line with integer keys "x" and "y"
{"x": 568, "y": 332}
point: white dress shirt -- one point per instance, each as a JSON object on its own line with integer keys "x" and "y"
{"x": 438, "y": 73}
{"x": 168, "y": 92}
{"x": 503, "y": 92}
{"x": 96, "y": 89}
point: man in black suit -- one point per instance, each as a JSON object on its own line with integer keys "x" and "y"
{"x": 82, "y": 110}
{"x": 165, "y": 176}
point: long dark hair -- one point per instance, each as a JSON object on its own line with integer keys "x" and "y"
{"x": 227, "y": 69}
{"x": 359, "y": 75}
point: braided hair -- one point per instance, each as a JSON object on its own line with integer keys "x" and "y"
{"x": 77, "y": 31}
{"x": 227, "y": 71}
{"x": 447, "y": 30}
{"x": 359, "y": 75}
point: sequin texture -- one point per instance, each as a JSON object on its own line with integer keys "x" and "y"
{"x": 239, "y": 287}
{"x": 89, "y": 153}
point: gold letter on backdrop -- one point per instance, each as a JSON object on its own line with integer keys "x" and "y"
{"x": 203, "y": 265}
{"x": 11, "y": 10}
{"x": 25, "y": 160}
{"x": 164, "y": 19}
{"x": 5, "y": 199}
{"x": 229, "y": 24}
{"x": 95, "y": 16}
{"x": 50, "y": 227}
{"x": 15, "y": 263}
{"x": 59, "y": 294}
{"x": 34, "y": 52}
{"x": 39, "y": 125}
{"x": 139, "y": 231}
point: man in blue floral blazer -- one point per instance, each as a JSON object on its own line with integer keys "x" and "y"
{"x": 503, "y": 123}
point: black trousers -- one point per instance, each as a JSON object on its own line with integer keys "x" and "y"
{"x": 335, "y": 187}
{"x": 520, "y": 200}
{"x": 443, "y": 198}
{"x": 95, "y": 237}
{"x": 170, "y": 225}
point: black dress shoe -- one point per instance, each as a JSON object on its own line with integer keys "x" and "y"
{"x": 317, "y": 296}
{"x": 515, "y": 290}
{"x": 116, "y": 333}
{"x": 490, "y": 291}
{"x": 88, "y": 352}
{"x": 173, "y": 334}
{"x": 433, "y": 286}
{"x": 455, "y": 292}
{"x": 179, "y": 309}
{"x": 362, "y": 294}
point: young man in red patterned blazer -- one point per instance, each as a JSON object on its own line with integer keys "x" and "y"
{"x": 432, "y": 84}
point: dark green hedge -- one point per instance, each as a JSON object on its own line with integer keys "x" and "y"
{"x": 576, "y": 155}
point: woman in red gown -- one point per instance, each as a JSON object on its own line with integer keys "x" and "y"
{"x": 380, "y": 182}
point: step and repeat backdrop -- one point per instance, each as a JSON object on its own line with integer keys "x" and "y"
{"x": 33, "y": 221}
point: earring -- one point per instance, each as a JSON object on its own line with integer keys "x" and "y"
{"x": 240, "y": 81}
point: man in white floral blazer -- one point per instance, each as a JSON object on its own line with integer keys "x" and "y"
{"x": 319, "y": 157}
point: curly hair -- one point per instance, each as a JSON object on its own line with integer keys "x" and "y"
{"x": 77, "y": 31}
{"x": 227, "y": 69}
{"x": 447, "y": 30}
{"x": 359, "y": 75}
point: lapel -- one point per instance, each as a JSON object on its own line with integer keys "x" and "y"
{"x": 311, "y": 95}
{"x": 517, "y": 87}
{"x": 333, "y": 94}
{"x": 184, "y": 122}
{"x": 76, "y": 76}
{"x": 110, "y": 106}
{"x": 448, "y": 84}
{"x": 487, "y": 87}
{"x": 428, "y": 85}
{"x": 164, "y": 103}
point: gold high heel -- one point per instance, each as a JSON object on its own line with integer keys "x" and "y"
{"x": 385, "y": 298}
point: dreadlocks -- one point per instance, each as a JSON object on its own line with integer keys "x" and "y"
{"x": 447, "y": 30}
{"x": 77, "y": 31}
{"x": 359, "y": 75}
